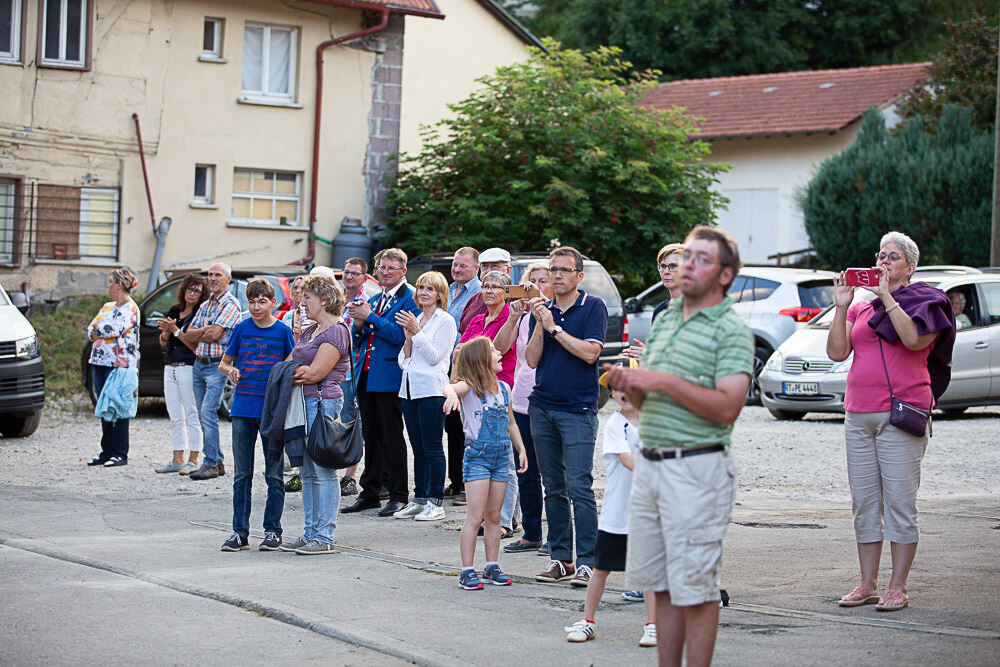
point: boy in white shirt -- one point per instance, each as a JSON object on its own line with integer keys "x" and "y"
{"x": 621, "y": 445}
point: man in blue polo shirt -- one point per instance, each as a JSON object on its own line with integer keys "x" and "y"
{"x": 567, "y": 336}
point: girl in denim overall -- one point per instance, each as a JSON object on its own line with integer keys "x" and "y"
{"x": 486, "y": 400}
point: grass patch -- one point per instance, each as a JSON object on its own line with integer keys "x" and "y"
{"x": 62, "y": 335}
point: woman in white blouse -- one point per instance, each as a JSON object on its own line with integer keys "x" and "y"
{"x": 424, "y": 359}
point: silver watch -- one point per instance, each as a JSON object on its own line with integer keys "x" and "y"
{"x": 556, "y": 330}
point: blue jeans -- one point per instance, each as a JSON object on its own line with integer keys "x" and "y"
{"x": 245, "y": 431}
{"x": 424, "y": 419}
{"x": 349, "y": 412}
{"x": 564, "y": 444}
{"x": 320, "y": 486}
{"x": 208, "y": 382}
{"x": 114, "y": 435}
{"x": 529, "y": 484}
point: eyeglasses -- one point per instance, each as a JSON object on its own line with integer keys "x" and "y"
{"x": 194, "y": 289}
{"x": 564, "y": 270}
{"x": 259, "y": 303}
{"x": 698, "y": 260}
{"x": 393, "y": 269}
{"x": 492, "y": 288}
{"x": 672, "y": 267}
{"x": 892, "y": 256}
{"x": 353, "y": 274}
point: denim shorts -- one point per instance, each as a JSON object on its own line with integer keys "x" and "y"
{"x": 485, "y": 460}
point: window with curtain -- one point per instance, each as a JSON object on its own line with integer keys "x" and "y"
{"x": 10, "y": 31}
{"x": 7, "y": 202}
{"x": 263, "y": 197}
{"x": 269, "y": 54}
{"x": 64, "y": 33}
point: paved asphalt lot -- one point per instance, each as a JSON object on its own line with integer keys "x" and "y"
{"x": 109, "y": 566}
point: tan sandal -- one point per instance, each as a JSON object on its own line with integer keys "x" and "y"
{"x": 858, "y": 597}
{"x": 892, "y": 601}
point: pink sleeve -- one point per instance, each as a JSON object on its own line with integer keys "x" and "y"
{"x": 852, "y": 312}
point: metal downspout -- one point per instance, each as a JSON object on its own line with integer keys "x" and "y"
{"x": 314, "y": 182}
{"x": 159, "y": 230}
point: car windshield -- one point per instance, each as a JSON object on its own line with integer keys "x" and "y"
{"x": 816, "y": 294}
{"x": 4, "y": 300}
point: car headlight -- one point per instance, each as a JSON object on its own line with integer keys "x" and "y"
{"x": 775, "y": 362}
{"x": 27, "y": 348}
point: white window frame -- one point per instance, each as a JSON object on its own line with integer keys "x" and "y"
{"x": 62, "y": 60}
{"x": 14, "y": 55}
{"x": 264, "y": 95}
{"x": 7, "y": 221}
{"x": 273, "y": 197}
{"x": 215, "y": 53}
{"x": 86, "y": 224}
{"x": 208, "y": 198}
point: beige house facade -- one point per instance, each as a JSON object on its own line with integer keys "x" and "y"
{"x": 225, "y": 95}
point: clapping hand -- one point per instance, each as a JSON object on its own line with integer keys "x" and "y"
{"x": 541, "y": 312}
{"x": 409, "y": 323}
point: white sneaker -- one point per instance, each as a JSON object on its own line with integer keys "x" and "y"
{"x": 581, "y": 631}
{"x": 431, "y": 512}
{"x": 648, "y": 635}
{"x": 411, "y": 510}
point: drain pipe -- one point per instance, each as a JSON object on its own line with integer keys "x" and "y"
{"x": 145, "y": 174}
{"x": 314, "y": 183}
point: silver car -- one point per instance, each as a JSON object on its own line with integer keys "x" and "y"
{"x": 800, "y": 378}
{"x": 774, "y": 301}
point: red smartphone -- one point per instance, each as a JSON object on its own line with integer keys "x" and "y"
{"x": 861, "y": 277}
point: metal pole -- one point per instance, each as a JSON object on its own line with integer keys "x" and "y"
{"x": 161, "y": 240}
{"x": 995, "y": 241}
{"x": 145, "y": 174}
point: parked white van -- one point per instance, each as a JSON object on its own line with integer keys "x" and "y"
{"x": 22, "y": 374}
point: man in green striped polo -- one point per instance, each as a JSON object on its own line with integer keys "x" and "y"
{"x": 697, "y": 369}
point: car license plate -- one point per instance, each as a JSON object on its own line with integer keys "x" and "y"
{"x": 800, "y": 388}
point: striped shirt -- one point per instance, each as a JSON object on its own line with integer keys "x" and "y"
{"x": 222, "y": 310}
{"x": 711, "y": 344}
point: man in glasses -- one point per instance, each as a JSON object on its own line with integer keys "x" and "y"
{"x": 567, "y": 336}
{"x": 699, "y": 361}
{"x": 377, "y": 342}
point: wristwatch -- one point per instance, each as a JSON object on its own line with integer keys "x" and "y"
{"x": 177, "y": 333}
{"x": 556, "y": 330}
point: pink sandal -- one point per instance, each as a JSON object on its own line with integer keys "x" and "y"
{"x": 858, "y": 597}
{"x": 892, "y": 601}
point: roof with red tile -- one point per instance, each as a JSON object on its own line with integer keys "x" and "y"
{"x": 760, "y": 105}
{"x": 427, "y": 8}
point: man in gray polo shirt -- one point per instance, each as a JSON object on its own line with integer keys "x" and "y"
{"x": 699, "y": 360}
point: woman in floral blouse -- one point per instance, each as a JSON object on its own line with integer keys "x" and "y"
{"x": 115, "y": 335}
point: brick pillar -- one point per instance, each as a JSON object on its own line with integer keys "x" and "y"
{"x": 383, "y": 121}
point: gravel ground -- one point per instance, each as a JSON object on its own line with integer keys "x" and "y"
{"x": 791, "y": 461}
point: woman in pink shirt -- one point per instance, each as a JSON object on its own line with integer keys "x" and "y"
{"x": 883, "y": 461}
{"x": 489, "y": 323}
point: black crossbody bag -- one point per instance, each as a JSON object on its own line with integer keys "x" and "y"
{"x": 903, "y": 415}
{"x": 332, "y": 443}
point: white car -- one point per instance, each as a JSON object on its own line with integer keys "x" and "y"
{"x": 22, "y": 373}
{"x": 799, "y": 378}
{"x": 774, "y": 301}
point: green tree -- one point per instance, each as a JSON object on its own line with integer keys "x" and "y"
{"x": 934, "y": 187}
{"x": 964, "y": 73}
{"x": 733, "y": 37}
{"x": 557, "y": 150}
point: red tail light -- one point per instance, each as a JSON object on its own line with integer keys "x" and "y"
{"x": 800, "y": 313}
{"x": 625, "y": 330}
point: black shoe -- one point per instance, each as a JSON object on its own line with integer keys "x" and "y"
{"x": 205, "y": 472}
{"x": 361, "y": 504}
{"x": 520, "y": 545}
{"x": 221, "y": 468}
{"x": 272, "y": 542}
{"x": 294, "y": 484}
{"x": 236, "y": 542}
{"x": 391, "y": 508}
{"x": 98, "y": 460}
{"x": 451, "y": 491}
{"x": 116, "y": 461}
{"x": 383, "y": 494}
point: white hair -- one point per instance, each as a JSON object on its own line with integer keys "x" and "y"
{"x": 911, "y": 253}
{"x": 323, "y": 271}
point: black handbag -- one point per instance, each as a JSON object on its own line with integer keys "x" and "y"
{"x": 332, "y": 443}
{"x": 903, "y": 415}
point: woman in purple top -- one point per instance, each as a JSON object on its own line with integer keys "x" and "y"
{"x": 489, "y": 323}
{"x": 896, "y": 338}
{"x": 324, "y": 350}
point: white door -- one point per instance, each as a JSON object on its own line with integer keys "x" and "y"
{"x": 752, "y": 219}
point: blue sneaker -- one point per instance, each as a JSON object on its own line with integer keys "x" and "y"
{"x": 469, "y": 581}
{"x": 633, "y": 596}
{"x": 493, "y": 574}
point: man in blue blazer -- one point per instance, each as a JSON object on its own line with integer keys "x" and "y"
{"x": 377, "y": 342}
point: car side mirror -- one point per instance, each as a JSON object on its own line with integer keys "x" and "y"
{"x": 632, "y": 305}
{"x": 20, "y": 301}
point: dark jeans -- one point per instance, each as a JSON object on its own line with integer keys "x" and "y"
{"x": 349, "y": 411}
{"x": 425, "y": 424}
{"x": 385, "y": 449}
{"x": 564, "y": 444}
{"x": 245, "y": 431}
{"x": 114, "y": 435}
{"x": 456, "y": 449}
{"x": 529, "y": 484}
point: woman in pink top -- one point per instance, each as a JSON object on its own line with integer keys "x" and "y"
{"x": 489, "y": 323}
{"x": 883, "y": 461}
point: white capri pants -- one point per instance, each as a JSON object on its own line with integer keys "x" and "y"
{"x": 883, "y": 468}
{"x": 185, "y": 426}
